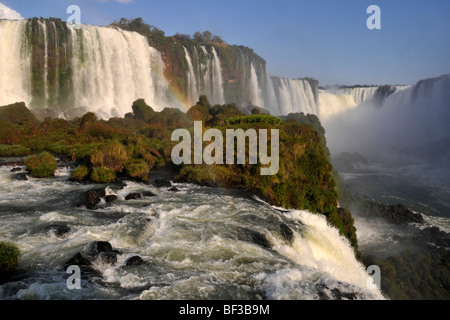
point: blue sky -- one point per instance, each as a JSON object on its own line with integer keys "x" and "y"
{"x": 324, "y": 39}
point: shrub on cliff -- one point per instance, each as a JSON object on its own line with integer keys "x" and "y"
{"x": 41, "y": 166}
{"x": 255, "y": 118}
{"x": 9, "y": 258}
{"x": 142, "y": 111}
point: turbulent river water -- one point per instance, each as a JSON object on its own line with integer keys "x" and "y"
{"x": 197, "y": 243}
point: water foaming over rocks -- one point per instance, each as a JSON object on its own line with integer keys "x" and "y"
{"x": 197, "y": 243}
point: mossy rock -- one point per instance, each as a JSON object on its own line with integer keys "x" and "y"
{"x": 138, "y": 170}
{"x": 111, "y": 155}
{"x": 13, "y": 151}
{"x": 42, "y": 166}
{"x": 103, "y": 175}
{"x": 9, "y": 258}
{"x": 79, "y": 174}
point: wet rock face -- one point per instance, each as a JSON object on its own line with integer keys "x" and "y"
{"x": 91, "y": 199}
{"x": 254, "y": 237}
{"x": 133, "y": 196}
{"x": 60, "y": 230}
{"x": 134, "y": 261}
{"x": 77, "y": 260}
{"x": 161, "y": 183}
{"x": 21, "y": 176}
{"x": 287, "y": 233}
{"x": 110, "y": 198}
{"x": 108, "y": 258}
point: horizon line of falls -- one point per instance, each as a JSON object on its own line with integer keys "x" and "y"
{"x": 103, "y": 69}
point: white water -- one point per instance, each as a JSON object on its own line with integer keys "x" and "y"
{"x": 338, "y": 101}
{"x": 193, "y": 240}
{"x": 217, "y": 81}
{"x": 118, "y": 68}
{"x": 112, "y": 68}
{"x": 295, "y": 96}
{"x": 254, "y": 89}
{"x": 44, "y": 32}
{"x": 15, "y": 70}
{"x": 192, "y": 82}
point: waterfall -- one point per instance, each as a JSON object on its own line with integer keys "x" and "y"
{"x": 113, "y": 68}
{"x": 43, "y": 29}
{"x": 334, "y": 101}
{"x": 15, "y": 63}
{"x": 192, "y": 92}
{"x": 104, "y": 69}
{"x": 412, "y": 124}
{"x": 254, "y": 89}
{"x": 361, "y": 94}
{"x": 217, "y": 81}
{"x": 294, "y": 96}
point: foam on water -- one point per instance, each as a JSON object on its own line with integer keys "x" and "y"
{"x": 196, "y": 244}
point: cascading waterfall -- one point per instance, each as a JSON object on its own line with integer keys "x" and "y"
{"x": 15, "y": 70}
{"x": 192, "y": 92}
{"x": 43, "y": 27}
{"x": 361, "y": 94}
{"x": 254, "y": 89}
{"x": 217, "y": 80}
{"x": 251, "y": 85}
{"x": 115, "y": 67}
{"x": 105, "y": 69}
{"x": 294, "y": 96}
{"x": 338, "y": 100}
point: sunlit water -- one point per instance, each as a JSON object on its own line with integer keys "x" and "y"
{"x": 195, "y": 242}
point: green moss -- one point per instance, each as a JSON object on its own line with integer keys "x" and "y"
{"x": 138, "y": 169}
{"x": 111, "y": 155}
{"x": 103, "y": 175}
{"x": 42, "y": 166}
{"x": 79, "y": 174}
{"x": 9, "y": 257}
{"x": 13, "y": 151}
{"x": 255, "y": 118}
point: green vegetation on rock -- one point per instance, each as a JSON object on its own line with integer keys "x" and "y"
{"x": 103, "y": 175}
{"x": 79, "y": 174}
{"x": 138, "y": 169}
{"x": 416, "y": 275}
{"x": 42, "y": 166}
{"x": 141, "y": 141}
{"x": 13, "y": 150}
{"x": 9, "y": 258}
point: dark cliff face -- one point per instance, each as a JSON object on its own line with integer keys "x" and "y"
{"x": 51, "y": 78}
